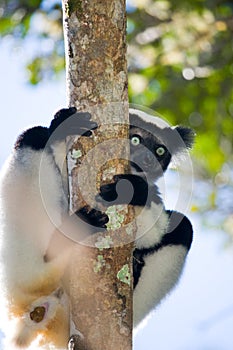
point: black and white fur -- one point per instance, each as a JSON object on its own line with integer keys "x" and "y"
{"x": 163, "y": 237}
{"x": 33, "y": 206}
{"x": 28, "y": 274}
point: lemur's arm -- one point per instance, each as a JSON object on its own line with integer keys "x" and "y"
{"x": 163, "y": 241}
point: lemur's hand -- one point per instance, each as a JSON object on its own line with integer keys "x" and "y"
{"x": 68, "y": 121}
{"x": 126, "y": 189}
{"x": 97, "y": 219}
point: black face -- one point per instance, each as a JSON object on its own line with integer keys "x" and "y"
{"x": 148, "y": 154}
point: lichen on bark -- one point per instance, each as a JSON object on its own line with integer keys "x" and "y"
{"x": 101, "y": 300}
{"x": 96, "y": 45}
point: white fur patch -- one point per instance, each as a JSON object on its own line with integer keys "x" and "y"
{"x": 27, "y": 220}
{"x": 59, "y": 153}
{"x": 151, "y": 225}
{"x": 32, "y": 207}
{"x": 148, "y": 118}
{"x": 159, "y": 275}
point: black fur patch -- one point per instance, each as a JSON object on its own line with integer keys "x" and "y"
{"x": 132, "y": 189}
{"x": 35, "y": 138}
{"x": 181, "y": 234}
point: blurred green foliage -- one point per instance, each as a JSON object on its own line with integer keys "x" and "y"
{"x": 180, "y": 56}
{"x": 181, "y": 64}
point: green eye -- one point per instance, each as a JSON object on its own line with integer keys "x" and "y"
{"x": 135, "y": 140}
{"x": 160, "y": 151}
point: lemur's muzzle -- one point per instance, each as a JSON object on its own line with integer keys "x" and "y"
{"x": 144, "y": 161}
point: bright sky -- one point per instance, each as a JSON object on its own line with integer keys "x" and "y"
{"x": 198, "y": 315}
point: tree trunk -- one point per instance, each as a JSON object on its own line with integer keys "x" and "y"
{"x": 101, "y": 267}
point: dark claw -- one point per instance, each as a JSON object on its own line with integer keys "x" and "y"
{"x": 94, "y": 125}
{"x": 87, "y": 133}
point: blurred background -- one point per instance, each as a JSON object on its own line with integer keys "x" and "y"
{"x": 180, "y": 57}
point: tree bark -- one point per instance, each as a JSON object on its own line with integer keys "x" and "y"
{"x": 101, "y": 267}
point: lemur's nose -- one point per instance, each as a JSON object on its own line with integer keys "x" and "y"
{"x": 148, "y": 158}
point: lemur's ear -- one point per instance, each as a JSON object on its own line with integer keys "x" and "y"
{"x": 187, "y": 135}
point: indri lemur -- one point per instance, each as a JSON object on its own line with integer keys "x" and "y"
{"x": 31, "y": 284}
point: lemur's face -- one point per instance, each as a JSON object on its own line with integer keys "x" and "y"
{"x": 148, "y": 154}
